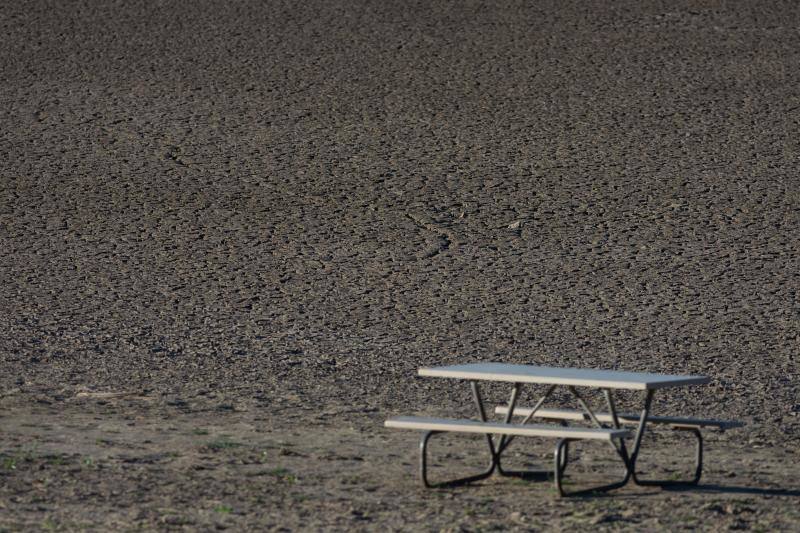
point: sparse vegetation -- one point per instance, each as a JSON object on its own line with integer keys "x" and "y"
{"x": 25, "y": 455}
{"x": 224, "y": 442}
{"x": 282, "y": 474}
{"x": 8, "y": 462}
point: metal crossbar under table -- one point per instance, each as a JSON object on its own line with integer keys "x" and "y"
{"x": 497, "y": 447}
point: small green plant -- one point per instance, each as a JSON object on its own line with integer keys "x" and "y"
{"x": 27, "y": 454}
{"x": 56, "y": 460}
{"x": 30, "y": 452}
{"x": 223, "y": 509}
{"x": 87, "y": 461}
{"x": 282, "y": 474}
{"x": 9, "y": 463}
{"x": 223, "y": 443}
{"x": 200, "y": 431}
{"x": 175, "y": 520}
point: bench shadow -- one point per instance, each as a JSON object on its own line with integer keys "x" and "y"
{"x": 733, "y": 489}
{"x": 528, "y": 475}
{"x": 545, "y": 476}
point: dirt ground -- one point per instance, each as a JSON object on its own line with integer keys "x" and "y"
{"x": 122, "y": 464}
{"x": 232, "y": 231}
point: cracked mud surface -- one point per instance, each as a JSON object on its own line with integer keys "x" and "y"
{"x": 243, "y": 217}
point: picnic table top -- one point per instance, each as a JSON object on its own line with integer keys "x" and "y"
{"x": 580, "y": 377}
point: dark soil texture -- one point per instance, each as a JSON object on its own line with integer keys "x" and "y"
{"x": 231, "y": 231}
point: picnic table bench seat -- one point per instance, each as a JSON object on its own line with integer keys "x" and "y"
{"x": 625, "y": 418}
{"x": 564, "y": 434}
{"x": 692, "y": 425}
{"x": 498, "y": 428}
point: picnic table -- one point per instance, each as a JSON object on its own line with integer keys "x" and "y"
{"x": 608, "y": 426}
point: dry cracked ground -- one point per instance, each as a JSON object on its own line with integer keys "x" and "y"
{"x": 231, "y": 232}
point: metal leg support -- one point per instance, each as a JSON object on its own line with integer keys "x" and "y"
{"x": 493, "y": 453}
{"x": 423, "y": 467}
{"x": 628, "y": 458}
{"x": 476, "y": 394}
{"x": 528, "y": 418}
{"x": 637, "y": 441}
{"x": 698, "y": 467}
{"x": 560, "y": 462}
{"x": 505, "y": 440}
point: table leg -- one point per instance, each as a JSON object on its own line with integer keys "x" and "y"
{"x": 506, "y": 439}
{"x": 612, "y": 408}
{"x": 530, "y": 416}
{"x": 512, "y": 402}
{"x": 698, "y": 466}
{"x": 618, "y": 447}
{"x": 629, "y": 459}
{"x": 585, "y": 407}
{"x": 496, "y": 448}
{"x": 476, "y": 394}
{"x": 640, "y": 429}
